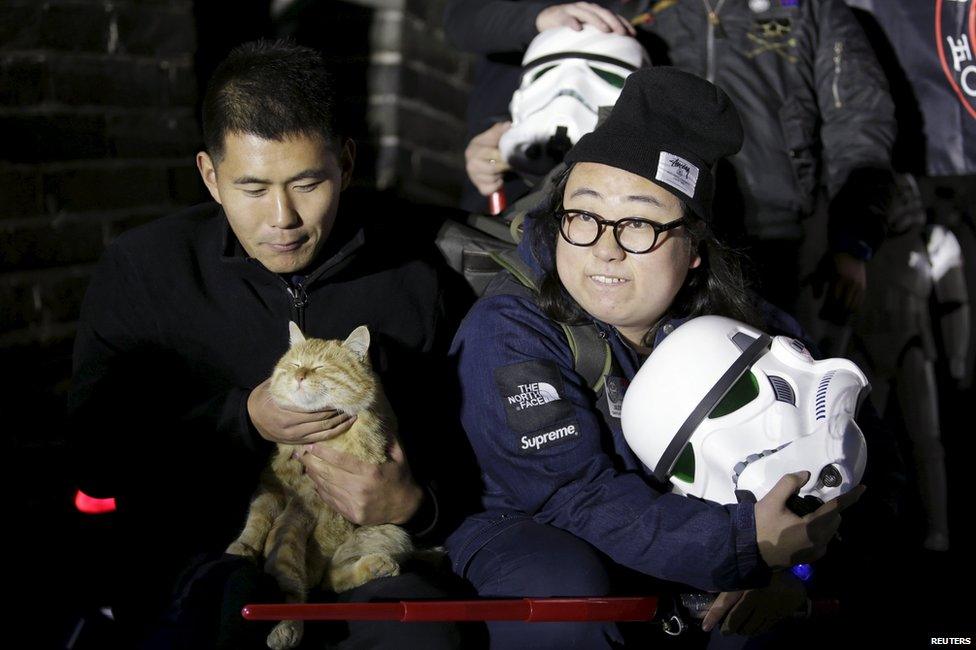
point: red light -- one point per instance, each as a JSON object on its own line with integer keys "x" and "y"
{"x": 92, "y": 506}
{"x": 497, "y": 202}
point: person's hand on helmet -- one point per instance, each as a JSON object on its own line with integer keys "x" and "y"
{"x": 577, "y": 14}
{"x": 483, "y": 160}
{"x": 784, "y": 538}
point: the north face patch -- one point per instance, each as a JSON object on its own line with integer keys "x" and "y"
{"x": 532, "y": 393}
{"x": 536, "y": 393}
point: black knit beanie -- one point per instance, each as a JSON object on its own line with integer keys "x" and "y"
{"x": 670, "y": 127}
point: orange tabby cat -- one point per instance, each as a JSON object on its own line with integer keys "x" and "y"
{"x": 303, "y": 541}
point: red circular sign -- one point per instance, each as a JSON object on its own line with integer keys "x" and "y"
{"x": 956, "y": 40}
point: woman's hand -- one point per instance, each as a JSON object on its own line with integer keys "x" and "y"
{"x": 755, "y": 611}
{"x": 785, "y": 539}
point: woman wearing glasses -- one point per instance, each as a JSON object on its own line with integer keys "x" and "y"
{"x": 622, "y": 248}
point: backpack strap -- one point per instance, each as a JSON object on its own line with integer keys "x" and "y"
{"x": 591, "y": 353}
{"x": 511, "y": 262}
{"x": 592, "y": 358}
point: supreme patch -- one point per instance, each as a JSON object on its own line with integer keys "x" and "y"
{"x": 557, "y": 435}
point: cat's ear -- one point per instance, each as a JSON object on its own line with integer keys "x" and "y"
{"x": 295, "y": 335}
{"x": 358, "y": 342}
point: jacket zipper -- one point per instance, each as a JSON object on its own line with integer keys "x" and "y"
{"x": 298, "y": 294}
{"x": 838, "y": 57}
{"x": 710, "y": 53}
{"x": 299, "y": 301}
{"x": 711, "y": 17}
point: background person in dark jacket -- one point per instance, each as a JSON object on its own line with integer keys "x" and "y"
{"x": 814, "y": 105}
{"x": 181, "y": 327}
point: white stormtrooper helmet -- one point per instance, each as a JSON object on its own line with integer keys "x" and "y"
{"x": 723, "y": 411}
{"x": 567, "y": 76}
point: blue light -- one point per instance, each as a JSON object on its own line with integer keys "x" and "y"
{"x": 803, "y": 571}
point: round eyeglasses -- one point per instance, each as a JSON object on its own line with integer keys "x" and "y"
{"x": 633, "y": 234}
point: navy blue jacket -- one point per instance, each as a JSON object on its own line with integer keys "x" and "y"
{"x": 547, "y": 452}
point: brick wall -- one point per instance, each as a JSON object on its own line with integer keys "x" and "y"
{"x": 430, "y": 106}
{"x": 98, "y": 130}
{"x": 407, "y": 86}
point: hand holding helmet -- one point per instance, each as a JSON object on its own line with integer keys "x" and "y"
{"x": 483, "y": 161}
{"x": 576, "y": 14}
{"x": 785, "y": 538}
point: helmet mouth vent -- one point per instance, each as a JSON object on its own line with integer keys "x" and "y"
{"x": 782, "y": 390}
{"x": 751, "y": 458}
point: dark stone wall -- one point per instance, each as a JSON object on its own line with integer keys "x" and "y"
{"x": 98, "y": 134}
{"x": 406, "y": 89}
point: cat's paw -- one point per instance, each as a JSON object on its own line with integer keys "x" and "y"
{"x": 368, "y": 567}
{"x": 285, "y": 635}
{"x": 377, "y": 566}
{"x": 243, "y": 550}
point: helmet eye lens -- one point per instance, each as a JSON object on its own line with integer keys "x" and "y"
{"x": 542, "y": 72}
{"x": 684, "y": 468}
{"x": 742, "y": 392}
{"x": 613, "y": 79}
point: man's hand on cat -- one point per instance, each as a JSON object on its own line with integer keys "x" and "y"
{"x": 279, "y": 424}
{"x": 364, "y": 493}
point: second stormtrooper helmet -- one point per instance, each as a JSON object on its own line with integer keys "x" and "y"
{"x": 567, "y": 75}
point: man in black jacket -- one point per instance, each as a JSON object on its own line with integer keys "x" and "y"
{"x": 181, "y": 327}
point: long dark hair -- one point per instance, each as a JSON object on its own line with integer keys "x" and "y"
{"x": 717, "y": 286}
